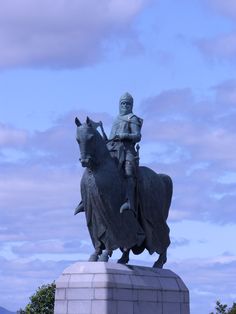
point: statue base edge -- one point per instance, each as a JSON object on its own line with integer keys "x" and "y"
{"x": 111, "y": 288}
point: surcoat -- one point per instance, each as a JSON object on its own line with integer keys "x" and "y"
{"x": 130, "y": 127}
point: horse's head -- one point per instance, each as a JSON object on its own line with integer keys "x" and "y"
{"x": 90, "y": 142}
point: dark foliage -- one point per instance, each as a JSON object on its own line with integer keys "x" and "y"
{"x": 42, "y": 302}
{"x": 224, "y": 309}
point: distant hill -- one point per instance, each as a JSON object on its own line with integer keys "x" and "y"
{"x": 4, "y": 311}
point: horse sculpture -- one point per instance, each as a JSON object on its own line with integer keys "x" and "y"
{"x": 103, "y": 192}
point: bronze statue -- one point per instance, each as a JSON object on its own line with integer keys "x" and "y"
{"x": 126, "y": 206}
{"x": 125, "y": 133}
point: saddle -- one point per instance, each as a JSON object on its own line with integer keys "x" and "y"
{"x": 117, "y": 151}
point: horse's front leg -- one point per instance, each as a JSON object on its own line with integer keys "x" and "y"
{"x": 104, "y": 257}
{"x": 161, "y": 260}
{"x": 95, "y": 256}
{"x": 125, "y": 257}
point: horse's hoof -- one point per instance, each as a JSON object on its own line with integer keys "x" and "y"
{"x": 122, "y": 261}
{"x": 93, "y": 258}
{"x": 103, "y": 258}
{"x": 158, "y": 265}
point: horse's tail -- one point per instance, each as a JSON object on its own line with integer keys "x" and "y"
{"x": 169, "y": 191}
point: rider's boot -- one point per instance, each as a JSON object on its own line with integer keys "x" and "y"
{"x": 79, "y": 208}
{"x": 130, "y": 193}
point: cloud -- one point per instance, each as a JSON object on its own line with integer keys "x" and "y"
{"x": 51, "y": 246}
{"x": 227, "y": 8}
{"x": 175, "y": 243}
{"x": 186, "y": 123}
{"x": 62, "y": 34}
{"x": 21, "y": 279}
{"x": 52, "y": 147}
{"x": 12, "y": 137}
{"x": 208, "y": 281}
{"x": 222, "y": 47}
{"x": 194, "y": 142}
{"x": 226, "y": 95}
{"x": 45, "y": 183}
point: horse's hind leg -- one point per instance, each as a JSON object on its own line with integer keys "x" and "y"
{"x": 161, "y": 260}
{"x": 104, "y": 257}
{"x": 125, "y": 257}
{"x": 94, "y": 257}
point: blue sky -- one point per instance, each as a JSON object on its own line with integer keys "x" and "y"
{"x": 178, "y": 60}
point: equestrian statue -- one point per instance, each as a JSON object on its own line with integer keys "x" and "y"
{"x": 126, "y": 205}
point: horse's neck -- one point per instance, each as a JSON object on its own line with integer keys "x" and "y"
{"x": 102, "y": 153}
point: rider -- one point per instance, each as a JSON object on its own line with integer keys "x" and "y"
{"x": 125, "y": 133}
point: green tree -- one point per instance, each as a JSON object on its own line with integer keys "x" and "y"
{"x": 223, "y": 308}
{"x": 232, "y": 310}
{"x": 42, "y": 302}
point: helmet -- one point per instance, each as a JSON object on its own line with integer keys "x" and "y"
{"x": 128, "y": 98}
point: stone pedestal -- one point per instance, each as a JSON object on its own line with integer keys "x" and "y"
{"x": 110, "y": 288}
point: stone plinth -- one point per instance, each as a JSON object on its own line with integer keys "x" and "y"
{"x": 110, "y": 288}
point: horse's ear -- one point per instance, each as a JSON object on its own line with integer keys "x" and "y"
{"x": 88, "y": 121}
{"x": 77, "y": 122}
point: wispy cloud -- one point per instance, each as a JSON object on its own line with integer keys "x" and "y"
{"x": 194, "y": 141}
{"x": 221, "y": 47}
{"x": 208, "y": 280}
{"x": 22, "y": 278}
{"x": 62, "y": 34}
{"x": 10, "y": 137}
{"x": 227, "y": 8}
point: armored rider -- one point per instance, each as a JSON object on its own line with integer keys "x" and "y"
{"x": 125, "y": 133}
